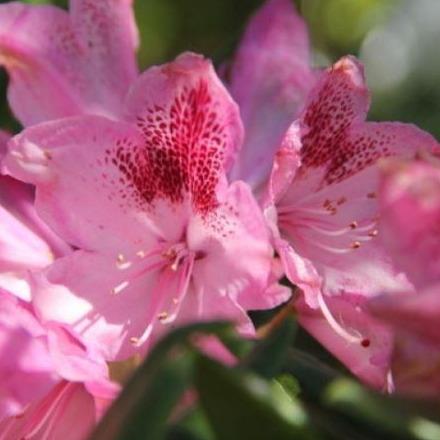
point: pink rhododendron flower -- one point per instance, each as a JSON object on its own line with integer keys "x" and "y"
{"x": 271, "y": 77}
{"x": 162, "y": 238}
{"x": 63, "y": 64}
{"x": 43, "y": 367}
{"x": 410, "y": 201}
{"x": 323, "y": 188}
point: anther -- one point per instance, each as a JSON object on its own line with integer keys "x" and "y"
{"x": 353, "y": 225}
{"x": 355, "y": 245}
{"x": 373, "y": 233}
{"x": 119, "y": 288}
{"x": 162, "y": 316}
{"x": 365, "y": 343}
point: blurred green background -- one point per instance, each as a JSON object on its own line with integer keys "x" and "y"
{"x": 396, "y": 39}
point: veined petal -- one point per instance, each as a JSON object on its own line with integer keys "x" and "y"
{"x": 63, "y": 65}
{"x": 270, "y": 79}
{"x": 67, "y": 411}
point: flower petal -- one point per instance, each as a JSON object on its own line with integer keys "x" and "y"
{"x": 270, "y": 79}
{"x": 89, "y": 304}
{"x": 369, "y": 359}
{"x": 26, "y": 369}
{"x": 410, "y": 202}
{"x": 238, "y": 255}
{"x": 63, "y": 65}
{"x": 67, "y": 411}
{"x": 189, "y": 119}
{"x": 81, "y": 188}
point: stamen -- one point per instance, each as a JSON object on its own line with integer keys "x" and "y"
{"x": 138, "y": 341}
{"x": 356, "y": 245}
{"x": 119, "y": 288}
{"x": 161, "y": 316}
{"x": 339, "y": 330}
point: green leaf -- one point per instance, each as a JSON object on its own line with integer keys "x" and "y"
{"x": 145, "y": 404}
{"x": 244, "y": 406}
{"x": 269, "y": 354}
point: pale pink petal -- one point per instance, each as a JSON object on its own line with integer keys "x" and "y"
{"x": 81, "y": 291}
{"x": 66, "y": 412}
{"x": 81, "y": 191}
{"x": 300, "y": 271}
{"x": 26, "y": 242}
{"x": 63, "y": 65}
{"x": 410, "y": 201}
{"x": 235, "y": 240}
{"x": 18, "y": 199}
{"x": 108, "y": 30}
{"x": 287, "y": 162}
{"x": 20, "y": 247}
{"x": 26, "y": 369}
{"x": 366, "y": 351}
{"x": 270, "y": 79}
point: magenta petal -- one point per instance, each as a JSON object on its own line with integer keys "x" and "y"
{"x": 270, "y": 79}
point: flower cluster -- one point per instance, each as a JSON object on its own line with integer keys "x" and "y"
{"x": 132, "y": 203}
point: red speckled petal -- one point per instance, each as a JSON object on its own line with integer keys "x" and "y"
{"x": 340, "y": 99}
{"x": 270, "y": 79}
{"x": 190, "y": 125}
{"x": 60, "y": 65}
